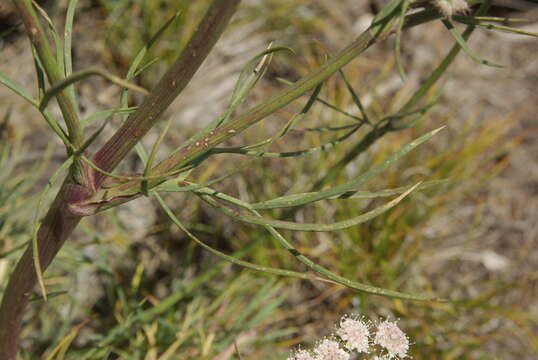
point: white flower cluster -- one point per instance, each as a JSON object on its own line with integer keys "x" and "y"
{"x": 452, "y": 7}
{"x": 353, "y": 335}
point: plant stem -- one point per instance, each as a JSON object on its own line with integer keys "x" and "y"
{"x": 40, "y": 42}
{"x": 57, "y": 226}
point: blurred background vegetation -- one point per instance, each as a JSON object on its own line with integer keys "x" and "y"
{"x": 128, "y": 285}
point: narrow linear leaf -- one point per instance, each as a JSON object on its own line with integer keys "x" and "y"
{"x": 37, "y": 224}
{"x": 320, "y": 269}
{"x": 281, "y": 224}
{"x": 496, "y": 27}
{"x": 91, "y": 138}
{"x": 354, "y": 97}
{"x": 246, "y": 81}
{"x": 231, "y": 259}
{"x": 153, "y": 155}
{"x": 55, "y": 36}
{"x": 135, "y": 64}
{"x": 157, "y": 177}
{"x": 17, "y": 89}
{"x": 279, "y": 100}
{"x": 58, "y": 130}
{"x": 328, "y": 128}
{"x": 146, "y": 66}
{"x": 328, "y": 104}
{"x": 388, "y": 192}
{"x": 397, "y": 42}
{"x": 80, "y": 75}
{"x": 102, "y": 115}
{"x": 252, "y": 72}
{"x": 324, "y": 147}
{"x": 504, "y": 20}
{"x": 141, "y": 54}
{"x": 387, "y": 11}
{"x": 306, "y": 198}
{"x": 342, "y": 280}
{"x": 67, "y": 55}
{"x": 404, "y": 114}
{"x": 37, "y": 262}
{"x": 50, "y": 295}
{"x": 461, "y": 41}
{"x": 40, "y": 74}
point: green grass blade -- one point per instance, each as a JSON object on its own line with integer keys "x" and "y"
{"x": 58, "y": 352}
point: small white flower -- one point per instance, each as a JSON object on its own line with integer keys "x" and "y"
{"x": 301, "y": 355}
{"x": 460, "y": 6}
{"x": 355, "y": 334}
{"x": 393, "y": 339}
{"x": 452, "y": 7}
{"x": 330, "y": 350}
